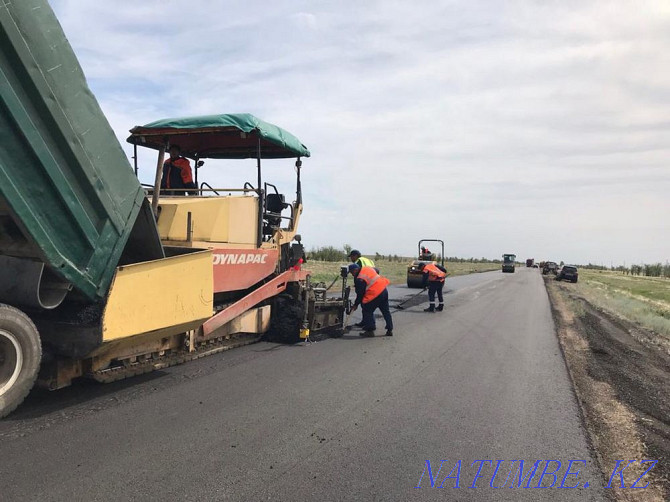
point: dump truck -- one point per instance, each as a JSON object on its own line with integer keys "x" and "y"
{"x": 101, "y": 277}
{"x": 414, "y": 274}
{"x": 508, "y": 263}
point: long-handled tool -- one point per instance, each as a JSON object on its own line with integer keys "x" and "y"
{"x": 400, "y": 305}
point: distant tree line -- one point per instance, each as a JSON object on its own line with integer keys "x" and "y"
{"x": 390, "y": 257}
{"x": 332, "y": 253}
{"x": 647, "y": 270}
{"x": 455, "y": 259}
{"x": 327, "y": 253}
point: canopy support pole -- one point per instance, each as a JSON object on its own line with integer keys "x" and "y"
{"x": 157, "y": 180}
{"x": 298, "y": 187}
{"x": 197, "y": 185}
{"x": 259, "y": 240}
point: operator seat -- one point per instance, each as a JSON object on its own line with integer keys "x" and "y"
{"x": 274, "y": 205}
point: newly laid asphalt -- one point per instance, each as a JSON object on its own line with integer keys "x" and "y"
{"x": 342, "y": 419}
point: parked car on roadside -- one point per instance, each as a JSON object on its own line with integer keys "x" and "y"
{"x": 568, "y": 273}
{"x": 550, "y": 266}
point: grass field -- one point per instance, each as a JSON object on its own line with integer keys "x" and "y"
{"x": 649, "y": 288}
{"x": 395, "y": 271}
{"x": 645, "y": 300}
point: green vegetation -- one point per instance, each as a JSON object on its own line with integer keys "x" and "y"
{"x": 395, "y": 270}
{"x": 329, "y": 253}
{"x": 651, "y": 288}
{"x": 645, "y": 300}
{"x": 324, "y": 263}
{"x": 648, "y": 269}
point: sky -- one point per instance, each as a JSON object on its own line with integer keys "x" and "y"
{"x": 535, "y": 128}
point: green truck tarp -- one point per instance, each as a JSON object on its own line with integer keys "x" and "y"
{"x": 226, "y": 136}
{"x": 65, "y": 183}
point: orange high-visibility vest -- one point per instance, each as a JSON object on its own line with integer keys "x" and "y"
{"x": 374, "y": 283}
{"x": 184, "y": 167}
{"x": 434, "y": 273}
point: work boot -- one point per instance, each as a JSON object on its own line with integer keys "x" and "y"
{"x": 430, "y": 309}
{"x": 359, "y": 324}
{"x": 367, "y": 333}
{"x": 389, "y": 332}
{"x": 440, "y": 307}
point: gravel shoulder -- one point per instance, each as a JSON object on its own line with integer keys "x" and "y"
{"x": 622, "y": 381}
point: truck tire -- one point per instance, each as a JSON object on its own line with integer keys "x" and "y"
{"x": 20, "y": 356}
{"x": 286, "y": 319}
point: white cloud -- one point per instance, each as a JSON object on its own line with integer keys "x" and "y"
{"x": 492, "y": 125}
{"x": 306, "y": 20}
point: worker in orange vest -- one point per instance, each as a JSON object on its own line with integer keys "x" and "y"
{"x": 177, "y": 174}
{"x": 433, "y": 278}
{"x": 371, "y": 293}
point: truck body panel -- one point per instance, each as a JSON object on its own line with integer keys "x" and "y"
{"x": 68, "y": 196}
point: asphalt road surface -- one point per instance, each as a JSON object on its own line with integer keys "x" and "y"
{"x": 342, "y": 419}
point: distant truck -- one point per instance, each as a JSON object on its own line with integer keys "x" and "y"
{"x": 508, "y": 263}
{"x": 530, "y": 262}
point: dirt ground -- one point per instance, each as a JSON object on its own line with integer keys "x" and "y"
{"x": 622, "y": 380}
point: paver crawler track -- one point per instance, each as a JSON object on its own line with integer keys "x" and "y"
{"x": 154, "y": 362}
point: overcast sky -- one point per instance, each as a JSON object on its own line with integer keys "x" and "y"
{"x": 535, "y": 128}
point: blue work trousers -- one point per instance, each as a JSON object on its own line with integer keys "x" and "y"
{"x": 435, "y": 287}
{"x": 381, "y": 302}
